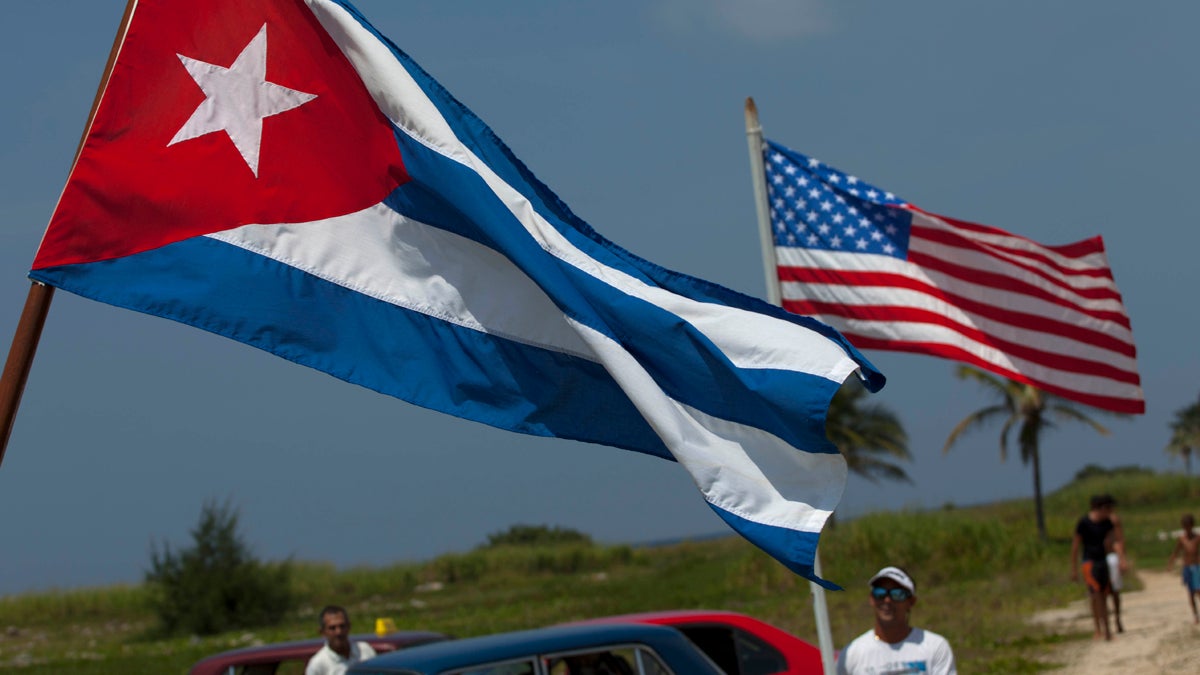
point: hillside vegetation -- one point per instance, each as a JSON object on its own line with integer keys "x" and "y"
{"x": 981, "y": 572}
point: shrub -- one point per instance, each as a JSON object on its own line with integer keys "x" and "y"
{"x": 1094, "y": 470}
{"x": 536, "y": 535}
{"x": 216, "y": 585}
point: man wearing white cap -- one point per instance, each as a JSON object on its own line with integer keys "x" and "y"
{"x": 893, "y": 647}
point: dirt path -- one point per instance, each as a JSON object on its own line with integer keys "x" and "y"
{"x": 1159, "y": 637}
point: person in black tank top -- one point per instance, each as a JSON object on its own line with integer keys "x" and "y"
{"x": 1088, "y": 554}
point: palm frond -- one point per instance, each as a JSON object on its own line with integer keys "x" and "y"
{"x": 982, "y": 377}
{"x": 1071, "y": 413}
{"x": 870, "y": 437}
{"x": 875, "y": 470}
{"x": 1185, "y": 430}
{"x": 1008, "y": 425}
{"x": 976, "y": 419}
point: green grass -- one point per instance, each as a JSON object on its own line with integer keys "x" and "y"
{"x": 981, "y": 572}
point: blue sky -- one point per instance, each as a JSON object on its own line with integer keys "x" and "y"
{"x": 1057, "y": 121}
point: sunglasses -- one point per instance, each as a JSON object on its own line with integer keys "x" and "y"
{"x": 896, "y": 594}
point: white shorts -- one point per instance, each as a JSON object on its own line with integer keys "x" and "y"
{"x": 1114, "y": 570}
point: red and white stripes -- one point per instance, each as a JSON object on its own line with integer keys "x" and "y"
{"x": 1050, "y": 316}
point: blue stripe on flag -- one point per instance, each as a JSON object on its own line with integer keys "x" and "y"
{"x": 785, "y": 545}
{"x": 699, "y": 375}
{"x": 431, "y": 363}
{"x": 232, "y": 292}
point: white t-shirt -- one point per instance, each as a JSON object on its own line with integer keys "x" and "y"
{"x": 328, "y": 662}
{"x": 922, "y": 652}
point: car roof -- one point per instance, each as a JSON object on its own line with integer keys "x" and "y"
{"x": 303, "y": 649}
{"x": 801, "y": 655}
{"x": 669, "y": 616}
{"x": 695, "y": 617}
{"x": 438, "y": 657}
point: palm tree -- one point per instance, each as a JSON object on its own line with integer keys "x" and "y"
{"x": 868, "y": 436}
{"x": 1185, "y": 434}
{"x": 1027, "y": 408}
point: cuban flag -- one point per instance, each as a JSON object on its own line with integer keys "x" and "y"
{"x": 278, "y": 172}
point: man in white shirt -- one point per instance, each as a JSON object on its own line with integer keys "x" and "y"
{"x": 339, "y": 653}
{"x": 893, "y": 646}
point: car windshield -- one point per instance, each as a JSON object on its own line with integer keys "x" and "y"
{"x": 736, "y": 651}
{"x": 630, "y": 660}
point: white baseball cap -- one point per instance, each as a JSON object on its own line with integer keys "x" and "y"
{"x": 897, "y": 575}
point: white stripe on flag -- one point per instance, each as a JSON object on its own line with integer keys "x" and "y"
{"x": 867, "y": 297}
{"x": 912, "y": 332}
{"x": 382, "y": 254}
{"x": 1016, "y": 244}
{"x": 740, "y": 469}
{"x": 988, "y": 295}
{"x": 998, "y": 262}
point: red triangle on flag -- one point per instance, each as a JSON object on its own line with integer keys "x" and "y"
{"x": 143, "y": 181}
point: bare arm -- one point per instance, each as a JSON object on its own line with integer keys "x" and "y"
{"x": 1174, "y": 553}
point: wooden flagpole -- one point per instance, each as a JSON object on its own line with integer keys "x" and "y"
{"x": 758, "y": 174}
{"x": 20, "y": 357}
{"x": 37, "y": 303}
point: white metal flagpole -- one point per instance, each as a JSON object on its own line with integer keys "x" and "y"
{"x": 821, "y": 612}
{"x": 758, "y": 175}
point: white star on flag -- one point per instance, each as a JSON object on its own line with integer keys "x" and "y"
{"x": 237, "y": 99}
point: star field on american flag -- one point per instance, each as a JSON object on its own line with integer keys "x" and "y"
{"x": 816, "y": 206}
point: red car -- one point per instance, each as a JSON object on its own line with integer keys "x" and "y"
{"x": 291, "y": 657}
{"x": 739, "y": 644}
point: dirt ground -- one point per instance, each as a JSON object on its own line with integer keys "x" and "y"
{"x": 1160, "y": 635}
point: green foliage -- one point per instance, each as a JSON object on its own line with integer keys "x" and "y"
{"x": 870, "y": 436}
{"x": 114, "y": 603}
{"x": 320, "y": 583}
{"x": 536, "y": 535}
{"x": 216, "y": 585}
{"x": 1094, "y": 470}
{"x": 1185, "y": 434}
{"x": 946, "y": 545}
{"x": 1129, "y": 486}
{"x": 488, "y": 565}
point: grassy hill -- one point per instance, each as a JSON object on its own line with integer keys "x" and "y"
{"x": 981, "y": 572}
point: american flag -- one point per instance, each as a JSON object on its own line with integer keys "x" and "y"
{"x": 889, "y": 275}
